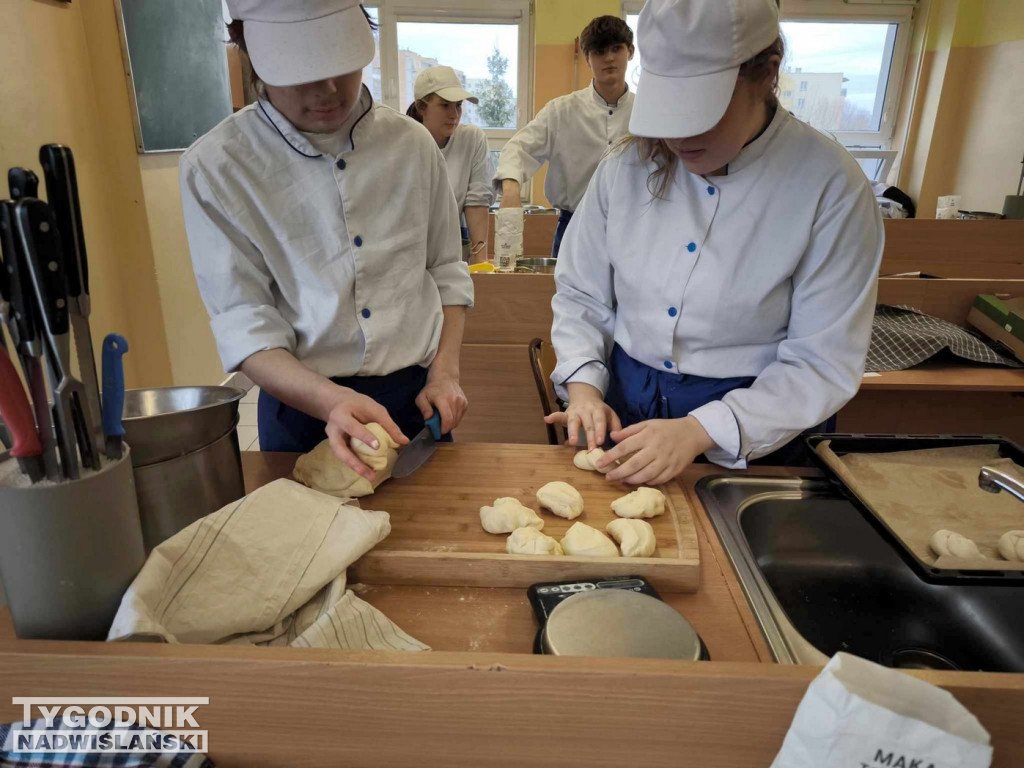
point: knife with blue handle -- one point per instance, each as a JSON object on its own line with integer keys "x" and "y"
{"x": 114, "y": 347}
{"x": 420, "y": 448}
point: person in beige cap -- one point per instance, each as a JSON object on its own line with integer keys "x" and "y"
{"x": 715, "y": 292}
{"x": 437, "y": 103}
{"x": 325, "y": 239}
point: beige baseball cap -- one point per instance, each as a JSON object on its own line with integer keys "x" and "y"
{"x": 692, "y": 51}
{"x": 303, "y": 41}
{"x": 444, "y": 82}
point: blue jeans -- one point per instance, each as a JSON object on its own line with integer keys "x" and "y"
{"x": 283, "y": 428}
{"x": 563, "y": 221}
{"x": 637, "y": 392}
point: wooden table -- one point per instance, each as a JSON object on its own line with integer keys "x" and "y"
{"x": 480, "y": 699}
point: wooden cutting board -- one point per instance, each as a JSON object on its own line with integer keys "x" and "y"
{"x": 436, "y": 537}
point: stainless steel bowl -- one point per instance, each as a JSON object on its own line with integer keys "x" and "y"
{"x": 165, "y": 422}
{"x": 536, "y": 266}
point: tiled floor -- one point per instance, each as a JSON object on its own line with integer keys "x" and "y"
{"x": 248, "y": 437}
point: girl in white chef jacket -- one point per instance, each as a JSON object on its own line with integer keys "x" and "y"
{"x": 438, "y": 97}
{"x": 715, "y": 290}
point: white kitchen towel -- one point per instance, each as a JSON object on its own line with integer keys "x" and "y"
{"x": 857, "y": 714}
{"x": 268, "y": 569}
{"x": 508, "y": 237}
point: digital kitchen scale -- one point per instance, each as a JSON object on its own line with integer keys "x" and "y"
{"x": 620, "y": 617}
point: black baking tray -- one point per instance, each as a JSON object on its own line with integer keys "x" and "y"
{"x": 843, "y": 443}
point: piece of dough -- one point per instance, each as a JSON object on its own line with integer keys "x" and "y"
{"x": 585, "y": 541}
{"x": 643, "y": 502}
{"x": 635, "y": 537}
{"x": 322, "y": 471}
{"x": 1011, "y": 545}
{"x": 561, "y": 499}
{"x": 530, "y": 541}
{"x": 588, "y": 460}
{"x": 507, "y": 514}
{"x": 954, "y": 545}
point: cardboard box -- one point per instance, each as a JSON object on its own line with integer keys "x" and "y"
{"x": 1002, "y": 320}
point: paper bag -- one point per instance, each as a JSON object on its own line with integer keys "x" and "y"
{"x": 857, "y": 714}
{"x": 508, "y": 237}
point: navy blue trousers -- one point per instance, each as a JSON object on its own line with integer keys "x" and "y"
{"x": 283, "y": 428}
{"x": 637, "y": 392}
{"x": 563, "y": 221}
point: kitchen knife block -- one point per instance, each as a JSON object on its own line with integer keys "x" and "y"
{"x": 69, "y": 551}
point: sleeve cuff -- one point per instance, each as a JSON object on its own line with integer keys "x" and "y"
{"x": 244, "y": 331}
{"x": 720, "y": 423}
{"x": 580, "y": 371}
{"x": 453, "y": 283}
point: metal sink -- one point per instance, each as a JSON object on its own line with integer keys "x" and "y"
{"x": 822, "y": 578}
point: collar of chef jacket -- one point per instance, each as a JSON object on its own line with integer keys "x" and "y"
{"x": 293, "y": 136}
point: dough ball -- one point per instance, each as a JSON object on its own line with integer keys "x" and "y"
{"x": 1011, "y": 545}
{"x": 643, "y": 502}
{"x": 530, "y": 541}
{"x": 635, "y": 537}
{"x": 588, "y": 460}
{"x": 507, "y": 514}
{"x": 954, "y": 545}
{"x": 562, "y": 499}
{"x": 322, "y": 471}
{"x": 585, "y": 541}
{"x": 375, "y": 459}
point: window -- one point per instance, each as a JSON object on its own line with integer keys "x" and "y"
{"x": 487, "y": 46}
{"x": 633, "y": 68}
{"x": 846, "y": 62}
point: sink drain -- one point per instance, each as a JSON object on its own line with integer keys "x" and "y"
{"x": 919, "y": 658}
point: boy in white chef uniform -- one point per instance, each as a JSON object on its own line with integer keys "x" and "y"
{"x": 572, "y": 133}
{"x": 716, "y": 293}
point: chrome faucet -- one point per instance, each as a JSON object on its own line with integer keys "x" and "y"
{"x": 995, "y": 480}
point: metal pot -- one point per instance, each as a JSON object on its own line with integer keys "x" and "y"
{"x": 166, "y": 422}
{"x": 175, "y": 493}
{"x": 537, "y": 266}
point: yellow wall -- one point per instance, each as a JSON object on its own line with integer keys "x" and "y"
{"x": 61, "y": 65}
{"x": 965, "y": 135}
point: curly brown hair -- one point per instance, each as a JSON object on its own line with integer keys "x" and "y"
{"x": 757, "y": 69}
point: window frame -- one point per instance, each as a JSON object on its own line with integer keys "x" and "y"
{"x": 902, "y": 14}
{"x": 519, "y": 12}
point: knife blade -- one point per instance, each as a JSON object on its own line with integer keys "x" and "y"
{"x": 22, "y": 183}
{"x": 62, "y": 194}
{"x": 420, "y": 448}
{"x": 40, "y": 243}
{"x": 24, "y": 325}
{"x": 17, "y": 414}
{"x": 114, "y": 347}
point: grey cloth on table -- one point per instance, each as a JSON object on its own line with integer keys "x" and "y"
{"x": 902, "y": 337}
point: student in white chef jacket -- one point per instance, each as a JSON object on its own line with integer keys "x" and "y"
{"x": 325, "y": 239}
{"x": 573, "y": 132}
{"x": 715, "y": 292}
{"x": 438, "y": 97}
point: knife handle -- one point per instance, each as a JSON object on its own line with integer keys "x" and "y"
{"x": 114, "y": 347}
{"x": 40, "y": 242}
{"x": 62, "y": 195}
{"x": 22, "y": 183}
{"x": 19, "y": 284}
{"x": 17, "y": 412}
{"x": 434, "y": 425}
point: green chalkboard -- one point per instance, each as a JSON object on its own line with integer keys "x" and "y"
{"x": 177, "y": 69}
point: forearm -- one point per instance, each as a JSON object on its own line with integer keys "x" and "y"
{"x": 477, "y": 220}
{"x": 280, "y": 374}
{"x": 446, "y": 361}
{"x": 510, "y": 194}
